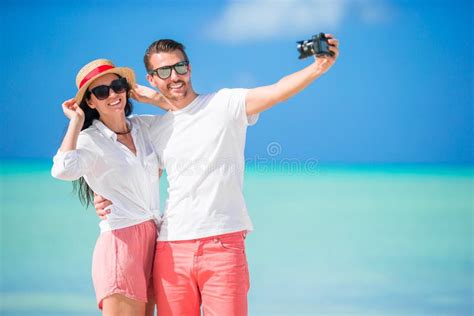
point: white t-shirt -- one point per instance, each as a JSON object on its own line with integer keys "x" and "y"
{"x": 202, "y": 149}
{"x": 113, "y": 171}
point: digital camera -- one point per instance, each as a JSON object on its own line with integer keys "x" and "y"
{"x": 318, "y": 45}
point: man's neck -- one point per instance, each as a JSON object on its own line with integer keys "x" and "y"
{"x": 176, "y": 105}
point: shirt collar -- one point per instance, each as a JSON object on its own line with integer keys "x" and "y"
{"x": 107, "y": 132}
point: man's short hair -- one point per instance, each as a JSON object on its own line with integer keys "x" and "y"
{"x": 162, "y": 46}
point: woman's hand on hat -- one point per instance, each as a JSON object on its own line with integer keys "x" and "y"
{"x": 73, "y": 111}
{"x": 148, "y": 95}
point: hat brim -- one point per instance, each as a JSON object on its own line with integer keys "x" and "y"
{"x": 125, "y": 72}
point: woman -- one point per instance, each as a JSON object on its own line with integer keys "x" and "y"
{"x": 110, "y": 154}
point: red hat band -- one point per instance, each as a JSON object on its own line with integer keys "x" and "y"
{"x": 94, "y": 72}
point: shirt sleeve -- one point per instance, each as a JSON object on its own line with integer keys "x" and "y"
{"x": 151, "y": 124}
{"x": 73, "y": 164}
{"x": 147, "y": 120}
{"x": 237, "y": 107}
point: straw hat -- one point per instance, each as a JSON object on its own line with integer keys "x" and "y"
{"x": 96, "y": 69}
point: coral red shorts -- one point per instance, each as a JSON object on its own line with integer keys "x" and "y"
{"x": 209, "y": 273}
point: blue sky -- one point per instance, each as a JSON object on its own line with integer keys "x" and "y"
{"x": 401, "y": 90}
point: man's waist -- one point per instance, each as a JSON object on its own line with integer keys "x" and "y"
{"x": 170, "y": 234}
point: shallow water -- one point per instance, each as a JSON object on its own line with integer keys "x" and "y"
{"x": 354, "y": 240}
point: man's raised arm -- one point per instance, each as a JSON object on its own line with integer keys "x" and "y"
{"x": 262, "y": 98}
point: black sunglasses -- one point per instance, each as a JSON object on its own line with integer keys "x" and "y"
{"x": 102, "y": 92}
{"x": 164, "y": 72}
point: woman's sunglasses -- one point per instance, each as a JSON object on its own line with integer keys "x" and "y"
{"x": 181, "y": 68}
{"x": 102, "y": 92}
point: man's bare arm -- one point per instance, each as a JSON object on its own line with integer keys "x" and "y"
{"x": 101, "y": 203}
{"x": 148, "y": 95}
{"x": 263, "y": 98}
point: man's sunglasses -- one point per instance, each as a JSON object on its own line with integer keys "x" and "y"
{"x": 164, "y": 72}
{"x": 102, "y": 92}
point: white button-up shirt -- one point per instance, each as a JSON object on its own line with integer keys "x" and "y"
{"x": 129, "y": 181}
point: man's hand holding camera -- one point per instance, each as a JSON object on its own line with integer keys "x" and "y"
{"x": 326, "y": 61}
{"x": 324, "y": 48}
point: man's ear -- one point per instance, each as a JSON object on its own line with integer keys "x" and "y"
{"x": 149, "y": 78}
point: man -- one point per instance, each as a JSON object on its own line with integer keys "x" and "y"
{"x": 200, "y": 254}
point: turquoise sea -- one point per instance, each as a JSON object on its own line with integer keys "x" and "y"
{"x": 339, "y": 240}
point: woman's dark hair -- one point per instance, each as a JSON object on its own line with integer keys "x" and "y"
{"x": 85, "y": 193}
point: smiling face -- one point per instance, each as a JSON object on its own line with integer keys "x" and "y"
{"x": 114, "y": 103}
{"x": 176, "y": 87}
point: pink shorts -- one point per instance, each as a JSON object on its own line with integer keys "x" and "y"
{"x": 122, "y": 262}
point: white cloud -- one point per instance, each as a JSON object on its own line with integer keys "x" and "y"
{"x": 249, "y": 20}
{"x": 372, "y": 12}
